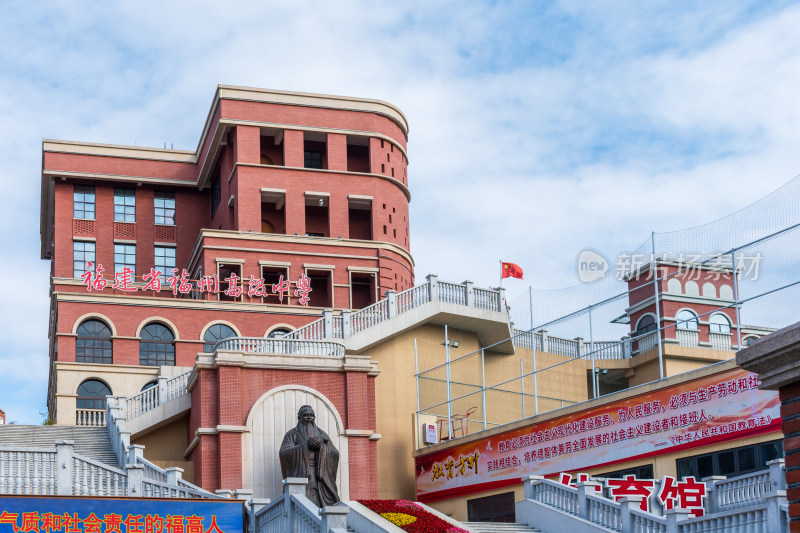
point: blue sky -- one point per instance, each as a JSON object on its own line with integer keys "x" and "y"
{"x": 538, "y": 129}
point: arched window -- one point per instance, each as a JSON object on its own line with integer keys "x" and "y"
{"x": 214, "y": 334}
{"x": 687, "y": 320}
{"x": 149, "y": 385}
{"x": 645, "y": 325}
{"x": 674, "y": 286}
{"x": 748, "y": 341}
{"x": 719, "y": 323}
{"x": 93, "y": 344}
{"x": 277, "y": 333}
{"x": 157, "y": 346}
{"x": 92, "y": 394}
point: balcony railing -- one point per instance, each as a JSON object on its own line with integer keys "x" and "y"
{"x": 280, "y": 346}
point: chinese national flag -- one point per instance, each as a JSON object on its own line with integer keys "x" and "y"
{"x": 511, "y": 270}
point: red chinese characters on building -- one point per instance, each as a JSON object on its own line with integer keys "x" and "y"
{"x": 125, "y": 281}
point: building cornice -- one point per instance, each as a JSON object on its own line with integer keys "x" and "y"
{"x": 324, "y": 101}
{"x": 292, "y": 239}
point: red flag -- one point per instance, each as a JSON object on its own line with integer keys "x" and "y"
{"x": 511, "y": 270}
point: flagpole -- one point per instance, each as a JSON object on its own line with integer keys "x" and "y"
{"x": 501, "y": 272}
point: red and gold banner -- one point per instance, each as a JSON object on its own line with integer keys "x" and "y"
{"x": 720, "y": 407}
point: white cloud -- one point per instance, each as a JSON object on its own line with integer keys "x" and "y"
{"x": 535, "y": 132}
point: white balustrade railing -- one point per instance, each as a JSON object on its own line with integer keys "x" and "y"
{"x": 281, "y": 346}
{"x": 747, "y": 490}
{"x": 452, "y": 293}
{"x": 556, "y": 495}
{"x": 647, "y": 342}
{"x": 604, "y": 512}
{"x": 28, "y": 471}
{"x": 412, "y": 298}
{"x": 720, "y": 341}
{"x": 176, "y": 387}
{"x": 92, "y": 478}
{"x": 747, "y": 504}
{"x": 294, "y": 512}
{"x": 572, "y": 347}
{"x": 688, "y": 337}
{"x": 369, "y": 316}
{"x": 486, "y": 299}
{"x": 142, "y": 402}
{"x": 152, "y": 472}
{"x": 90, "y": 417}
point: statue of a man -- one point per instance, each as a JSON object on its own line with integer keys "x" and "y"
{"x": 308, "y": 452}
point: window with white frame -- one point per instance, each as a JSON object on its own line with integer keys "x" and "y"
{"x": 124, "y": 256}
{"x": 687, "y": 320}
{"x": 83, "y": 202}
{"x": 164, "y": 259}
{"x": 164, "y": 203}
{"x": 124, "y": 205}
{"x": 82, "y": 251}
{"x": 719, "y": 323}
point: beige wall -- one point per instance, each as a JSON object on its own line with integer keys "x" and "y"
{"x": 165, "y": 446}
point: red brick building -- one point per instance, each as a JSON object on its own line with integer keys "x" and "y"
{"x": 281, "y": 187}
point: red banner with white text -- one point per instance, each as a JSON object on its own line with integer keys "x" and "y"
{"x": 720, "y": 407}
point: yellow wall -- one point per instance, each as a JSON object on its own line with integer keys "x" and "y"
{"x": 165, "y": 446}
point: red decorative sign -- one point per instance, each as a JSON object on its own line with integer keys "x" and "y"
{"x": 716, "y": 408}
{"x": 181, "y": 284}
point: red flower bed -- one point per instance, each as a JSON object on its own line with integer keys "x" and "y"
{"x": 424, "y": 522}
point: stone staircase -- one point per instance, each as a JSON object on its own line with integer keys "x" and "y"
{"x": 92, "y": 442}
{"x": 498, "y": 527}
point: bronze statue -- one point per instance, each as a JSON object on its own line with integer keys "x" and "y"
{"x": 307, "y": 451}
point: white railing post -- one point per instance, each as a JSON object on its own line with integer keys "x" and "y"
{"x": 162, "y": 391}
{"x": 433, "y": 286}
{"x": 712, "y": 494}
{"x": 579, "y": 346}
{"x": 327, "y": 323}
{"x": 674, "y": 516}
{"x": 527, "y": 483}
{"x": 470, "y": 293}
{"x": 333, "y": 517}
{"x": 135, "y": 452}
{"x": 628, "y": 504}
{"x": 501, "y": 300}
{"x": 545, "y": 342}
{"x": 64, "y": 451}
{"x": 347, "y": 330}
{"x": 292, "y": 486}
{"x": 775, "y": 522}
{"x": 174, "y": 474}
{"x": 243, "y": 494}
{"x": 627, "y": 347}
{"x": 585, "y": 488}
{"x": 391, "y": 303}
{"x": 135, "y": 480}
{"x": 777, "y": 474}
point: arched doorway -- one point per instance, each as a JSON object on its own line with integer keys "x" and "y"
{"x": 270, "y": 418}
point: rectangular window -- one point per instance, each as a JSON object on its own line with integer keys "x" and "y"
{"x": 83, "y": 202}
{"x": 124, "y": 256}
{"x": 164, "y": 260}
{"x": 82, "y": 252}
{"x": 164, "y": 208}
{"x": 124, "y": 205}
{"x": 313, "y": 159}
{"x": 731, "y": 463}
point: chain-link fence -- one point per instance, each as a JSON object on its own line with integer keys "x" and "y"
{"x": 680, "y": 301}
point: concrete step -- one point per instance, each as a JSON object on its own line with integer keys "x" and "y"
{"x": 91, "y": 442}
{"x": 499, "y": 527}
